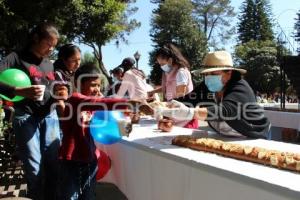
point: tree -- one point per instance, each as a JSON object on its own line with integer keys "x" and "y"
{"x": 90, "y": 58}
{"x": 92, "y": 22}
{"x": 259, "y": 58}
{"x": 255, "y": 21}
{"x": 173, "y": 22}
{"x": 246, "y": 24}
{"x": 257, "y": 51}
{"x": 297, "y": 28}
{"x": 97, "y": 22}
{"x": 214, "y": 17}
{"x": 18, "y": 16}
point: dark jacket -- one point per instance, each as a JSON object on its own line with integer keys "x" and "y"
{"x": 40, "y": 71}
{"x": 61, "y": 72}
{"x": 240, "y": 111}
{"x": 198, "y": 97}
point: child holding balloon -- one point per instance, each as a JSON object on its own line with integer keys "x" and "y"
{"x": 35, "y": 125}
{"x": 78, "y": 151}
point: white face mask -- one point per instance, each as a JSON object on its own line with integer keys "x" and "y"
{"x": 166, "y": 68}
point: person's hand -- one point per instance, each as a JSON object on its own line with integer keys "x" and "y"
{"x": 141, "y": 106}
{"x": 150, "y": 99}
{"x": 60, "y": 108}
{"x": 177, "y": 110}
{"x": 150, "y": 93}
{"x": 32, "y": 92}
{"x": 60, "y": 92}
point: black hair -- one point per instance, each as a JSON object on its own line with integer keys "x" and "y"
{"x": 235, "y": 77}
{"x": 117, "y": 70}
{"x": 87, "y": 71}
{"x": 65, "y": 52}
{"x": 127, "y": 64}
{"x": 171, "y": 51}
{"x": 42, "y": 31}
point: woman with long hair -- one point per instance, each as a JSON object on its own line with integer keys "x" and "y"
{"x": 69, "y": 58}
{"x": 35, "y": 124}
{"x": 176, "y": 78}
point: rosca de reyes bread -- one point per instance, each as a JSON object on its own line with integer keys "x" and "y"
{"x": 279, "y": 159}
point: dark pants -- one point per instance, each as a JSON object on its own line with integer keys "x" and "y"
{"x": 38, "y": 141}
{"x": 77, "y": 180}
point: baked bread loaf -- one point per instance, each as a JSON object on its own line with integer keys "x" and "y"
{"x": 282, "y": 160}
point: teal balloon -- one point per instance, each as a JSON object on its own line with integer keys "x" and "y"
{"x": 104, "y": 126}
{"x": 16, "y": 78}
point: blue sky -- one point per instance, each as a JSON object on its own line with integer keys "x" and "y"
{"x": 284, "y": 11}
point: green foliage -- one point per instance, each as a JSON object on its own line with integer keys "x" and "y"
{"x": 173, "y": 22}
{"x": 92, "y": 22}
{"x": 18, "y": 16}
{"x": 257, "y": 52}
{"x": 255, "y": 21}
{"x": 156, "y": 71}
{"x": 87, "y": 58}
{"x": 90, "y": 58}
{"x": 259, "y": 58}
{"x": 97, "y": 22}
{"x": 215, "y": 17}
{"x": 104, "y": 83}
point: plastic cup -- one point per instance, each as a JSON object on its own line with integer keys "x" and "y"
{"x": 41, "y": 97}
{"x": 125, "y": 126}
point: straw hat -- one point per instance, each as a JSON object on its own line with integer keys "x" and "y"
{"x": 217, "y": 61}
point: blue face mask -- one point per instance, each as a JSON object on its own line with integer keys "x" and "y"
{"x": 214, "y": 83}
{"x": 166, "y": 68}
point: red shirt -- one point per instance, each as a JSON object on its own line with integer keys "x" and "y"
{"x": 77, "y": 143}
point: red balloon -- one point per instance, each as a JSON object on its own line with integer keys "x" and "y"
{"x": 104, "y": 164}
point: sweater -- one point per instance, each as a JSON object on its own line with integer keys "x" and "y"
{"x": 40, "y": 71}
{"x": 77, "y": 142}
{"x": 240, "y": 111}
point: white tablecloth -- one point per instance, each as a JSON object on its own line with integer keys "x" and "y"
{"x": 277, "y": 105}
{"x": 284, "y": 119}
{"x": 146, "y": 166}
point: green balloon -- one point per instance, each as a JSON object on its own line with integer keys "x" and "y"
{"x": 16, "y": 78}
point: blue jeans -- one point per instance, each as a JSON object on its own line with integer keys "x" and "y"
{"x": 77, "y": 180}
{"x": 38, "y": 141}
